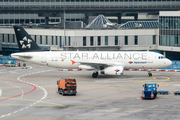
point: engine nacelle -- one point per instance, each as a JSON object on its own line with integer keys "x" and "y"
{"x": 114, "y": 70}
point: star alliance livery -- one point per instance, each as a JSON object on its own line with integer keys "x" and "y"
{"x": 103, "y": 62}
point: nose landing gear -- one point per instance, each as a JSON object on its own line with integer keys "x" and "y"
{"x": 149, "y": 73}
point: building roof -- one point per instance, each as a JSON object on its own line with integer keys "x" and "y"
{"x": 100, "y": 22}
{"x": 140, "y": 24}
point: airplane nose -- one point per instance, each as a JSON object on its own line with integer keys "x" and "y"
{"x": 169, "y": 62}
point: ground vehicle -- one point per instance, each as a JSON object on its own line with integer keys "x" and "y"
{"x": 10, "y": 64}
{"x": 150, "y": 91}
{"x": 177, "y": 93}
{"x": 67, "y": 86}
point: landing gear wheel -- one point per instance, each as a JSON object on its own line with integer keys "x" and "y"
{"x": 95, "y": 74}
{"x": 150, "y": 74}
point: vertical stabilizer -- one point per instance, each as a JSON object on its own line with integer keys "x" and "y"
{"x": 25, "y": 42}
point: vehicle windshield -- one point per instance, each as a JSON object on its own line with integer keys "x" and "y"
{"x": 151, "y": 86}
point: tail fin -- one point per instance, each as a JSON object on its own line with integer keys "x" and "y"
{"x": 25, "y": 42}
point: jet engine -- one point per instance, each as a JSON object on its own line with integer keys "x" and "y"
{"x": 113, "y": 70}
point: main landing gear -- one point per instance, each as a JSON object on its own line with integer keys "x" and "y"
{"x": 149, "y": 73}
{"x": 95, "y": 74}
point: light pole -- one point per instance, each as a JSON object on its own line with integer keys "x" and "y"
{"x": 64, "y": 26}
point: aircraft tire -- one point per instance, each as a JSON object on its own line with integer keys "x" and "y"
{"x": 150, "y": 74}
{"x": 94, "y": 75}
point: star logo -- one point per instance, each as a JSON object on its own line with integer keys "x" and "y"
{"x": 117, "y": 70}
{"x": 130, "y": 62}
{"x": 25, "y": 43}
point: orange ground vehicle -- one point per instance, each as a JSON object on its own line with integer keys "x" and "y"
{"x": 67, "y": 86}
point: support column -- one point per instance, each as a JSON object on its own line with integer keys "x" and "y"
{"x": 136, "y": 17}
{"x": 62, "y": 20}
{"x": 119, "y": 18}
{"x": 86, "y": 19}
{"x": 46, "y": 21}
{"x": 164, "y": 53}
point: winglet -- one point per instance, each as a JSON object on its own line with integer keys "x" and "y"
{"x": 73, "y": 62}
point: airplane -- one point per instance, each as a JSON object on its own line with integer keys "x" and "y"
{"x": 103, "y": 62}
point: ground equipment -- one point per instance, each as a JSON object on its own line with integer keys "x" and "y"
{"x": 67, "y": 86}
{"x": 177, "y": 93}
{"x": 150, "y": 91}
{"x": 163, "y": 92}
{"x": 10, "y": 64}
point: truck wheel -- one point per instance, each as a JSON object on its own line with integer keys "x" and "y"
{"x": 59, "y": 90}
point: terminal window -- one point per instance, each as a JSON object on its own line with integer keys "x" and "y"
{"x": 154, "y": 39}
{"x": 126, "y": 40}
{"x": 60, "y": 41}
{"x": 116, "y": 40}
{"x": 84, "y": 41}
{"x": 91, "y": 41}
{"x": 69, "y": 41}
{"x": 106, "y": 40}
{"x": 56, "y": 40}
{"x": 40, "y": 39}
{"x": 135, "y": 40}
{"x": 99, "y": 40}
{"x": 52, "y": 40}
{"x": 46, "y": 40}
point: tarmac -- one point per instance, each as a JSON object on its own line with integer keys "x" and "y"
{"x": 31, "y": 94}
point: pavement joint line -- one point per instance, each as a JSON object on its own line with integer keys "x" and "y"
{"x": 120, "y": 108}
{"x": 45, "y": 95}
{"x": 15, "y": 86}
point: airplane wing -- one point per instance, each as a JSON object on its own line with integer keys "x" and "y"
{"x": 106, "y": 67}
{"x": 98, "y": 64}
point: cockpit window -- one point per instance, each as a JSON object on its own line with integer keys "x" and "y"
{"x": 161, "y": 57}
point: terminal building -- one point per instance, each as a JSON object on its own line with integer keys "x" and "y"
{"x": 162, "y": 35}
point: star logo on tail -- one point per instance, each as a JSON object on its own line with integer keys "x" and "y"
{"x": 25, "y": 43}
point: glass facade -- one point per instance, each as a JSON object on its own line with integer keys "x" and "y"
{"x": 10, "y": 18}
{"x": 169, "y": 31}
{"x": 26, "y": 18}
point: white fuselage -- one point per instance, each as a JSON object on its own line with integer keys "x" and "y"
{"x": 127, "y": 59}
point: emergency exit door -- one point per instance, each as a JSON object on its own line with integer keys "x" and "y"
{"x": 150, "y": 57}
{"x": 43, "y": 58}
